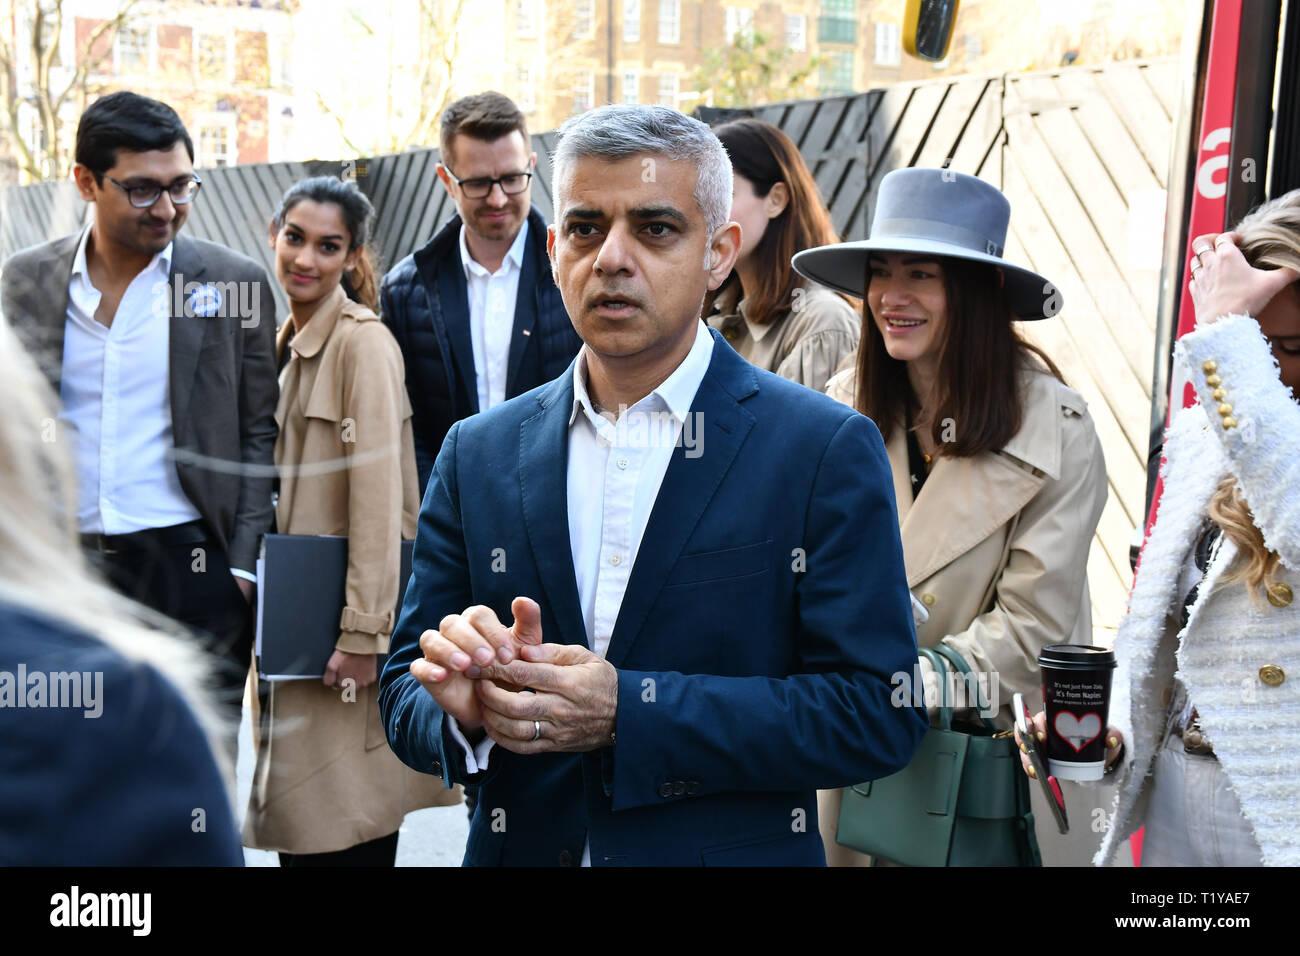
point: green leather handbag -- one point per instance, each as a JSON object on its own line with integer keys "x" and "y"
{"x": 962, "y": 801}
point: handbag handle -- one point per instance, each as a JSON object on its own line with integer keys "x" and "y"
{"x": 959, "y": 662}
{"x": 941, "y": 671}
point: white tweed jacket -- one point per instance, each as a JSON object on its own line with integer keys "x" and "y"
{"x": 1229, "y": 638}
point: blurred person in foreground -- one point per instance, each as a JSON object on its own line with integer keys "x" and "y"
{"x": 699, "y": 560}
{"x": 107, "y": 726}
{"x": 326, "y": 791}
{"x": 1206, "y": 698}
{"x": 996, "y": 464}
{"x": 770, "y": 314}
{"x": 160, "y": 348}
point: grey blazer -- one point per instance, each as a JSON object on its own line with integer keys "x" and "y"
{"x": 221, "y": 372}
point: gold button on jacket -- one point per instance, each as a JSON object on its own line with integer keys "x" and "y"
{"x": 1272, "y": 675}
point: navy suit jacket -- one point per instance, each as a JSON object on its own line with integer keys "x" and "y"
{"x": 765, "y": 615}
{"x": 120, "y": 787}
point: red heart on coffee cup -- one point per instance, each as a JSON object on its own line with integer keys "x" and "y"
{"x": 1078, "y": 732}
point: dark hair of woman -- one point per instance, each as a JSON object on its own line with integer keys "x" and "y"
{"x": 766, "y": 156}
{"x": 360, "y": 282}
{"x": 978, "y": 393}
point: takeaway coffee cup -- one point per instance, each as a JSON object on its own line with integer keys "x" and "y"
{"x": 1076, "y": 692}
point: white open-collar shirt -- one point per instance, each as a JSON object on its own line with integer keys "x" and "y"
{"x": 615, "y": 469}
{"x": 492, "y": 297}
{"x": 116, "y": 396}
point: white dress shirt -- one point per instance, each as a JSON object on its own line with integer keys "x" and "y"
{"x": 614, "y": 472}
{"x": 492, "y": 297}
{"x": 117, "y": 399}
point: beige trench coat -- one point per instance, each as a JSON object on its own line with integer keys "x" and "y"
{"x": 805, "y": 345}
{"x": 997, "y": 552}
{"x": 325, "y": 778}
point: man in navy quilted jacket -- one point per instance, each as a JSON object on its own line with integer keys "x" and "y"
{"x": 476, "y": 311}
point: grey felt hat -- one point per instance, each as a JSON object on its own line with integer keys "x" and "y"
{"x": 939, "y": 212}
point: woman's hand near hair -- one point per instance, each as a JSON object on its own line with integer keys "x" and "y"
{"x": 1224, "y": 282}
{"x": 361, "y": 668}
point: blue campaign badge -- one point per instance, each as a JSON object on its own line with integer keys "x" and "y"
{"x": 204, "y": 301}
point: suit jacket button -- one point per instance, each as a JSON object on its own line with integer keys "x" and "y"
{"x": 566, "y": 858}
{"x": 665, "y": 789}
{"x": 1279, "y": 595}
{"x": 692, "y": 787}
{"x": 437, "y": 767}
{"x": 679, "y": 788}
{"x": 928, "y": 600}
{"x": 1272, "y": 675}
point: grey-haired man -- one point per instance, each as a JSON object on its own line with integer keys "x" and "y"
{"x": 703, "y": 630}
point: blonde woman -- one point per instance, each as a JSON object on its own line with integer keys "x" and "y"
{"x": 107, "y": 731}
{"x": 1207, "y": 694}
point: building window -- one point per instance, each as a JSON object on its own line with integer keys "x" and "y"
{"x": 668, "y": 90}
{"x": 670, "y": 21}
{"x": 631, "y": 21}
{"x": 631, "y": 87}
{"x": 584, "y": 19}
{"x": 888, "y": 46}
{"x": 133, "y": 49}
{"x": 584, "y": 90}
{"x": 796, "y": 32}
{"x": 525, "y": 90}
{"x": 216, "y": 142}
{"x": 836, "y": 77}
{"x": 838, "y": 22}
{"x": 739, "y": 20}
{"x": 284, "y": 65}
{"x": 526, "y": 18}
{"x": 214, "y": 64}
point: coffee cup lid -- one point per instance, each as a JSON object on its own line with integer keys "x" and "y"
{"x": 1076, "y": 654}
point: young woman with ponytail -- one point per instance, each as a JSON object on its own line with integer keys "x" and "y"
{"x": 1207, "y": 695}
{"x": 327, "y": 791}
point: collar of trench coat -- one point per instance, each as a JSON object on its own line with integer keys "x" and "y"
{"x": 980, "y": 494}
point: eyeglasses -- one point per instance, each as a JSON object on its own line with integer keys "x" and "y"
{"x": 511, "y": 185}
{"x": 145, "y": 195}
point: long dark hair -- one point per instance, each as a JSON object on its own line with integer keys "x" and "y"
{"x": 980, "y": 357}
{"x": 766, "y": 156}
{"x": 359, "y": 282}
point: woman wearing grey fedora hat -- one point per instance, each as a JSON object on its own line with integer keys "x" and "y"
{"x": 998, "y": 473}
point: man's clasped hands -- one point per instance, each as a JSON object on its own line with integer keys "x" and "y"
{"x": 503, "y": 682}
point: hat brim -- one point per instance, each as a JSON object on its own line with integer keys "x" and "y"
{"x": 843, "y": 267}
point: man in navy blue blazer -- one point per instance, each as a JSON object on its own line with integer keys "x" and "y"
{"x": 700, "y": 559}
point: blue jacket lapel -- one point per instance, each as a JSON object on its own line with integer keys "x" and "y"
{"x": 454, "y": 306}
{"x": 543, "y": 465}
{"x": 688, "y": 487}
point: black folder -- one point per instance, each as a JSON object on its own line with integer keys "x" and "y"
{"x": 300, "y": 598}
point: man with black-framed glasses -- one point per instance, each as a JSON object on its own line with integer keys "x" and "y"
{"x": 161, "y": 350}
{"x": 476, "y": 310}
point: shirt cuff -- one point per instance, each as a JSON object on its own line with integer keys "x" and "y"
{"x": 246, "y": 575}
{"x": 476, "y": 758}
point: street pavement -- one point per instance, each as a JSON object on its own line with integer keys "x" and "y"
{"x": 432, "y": 837}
